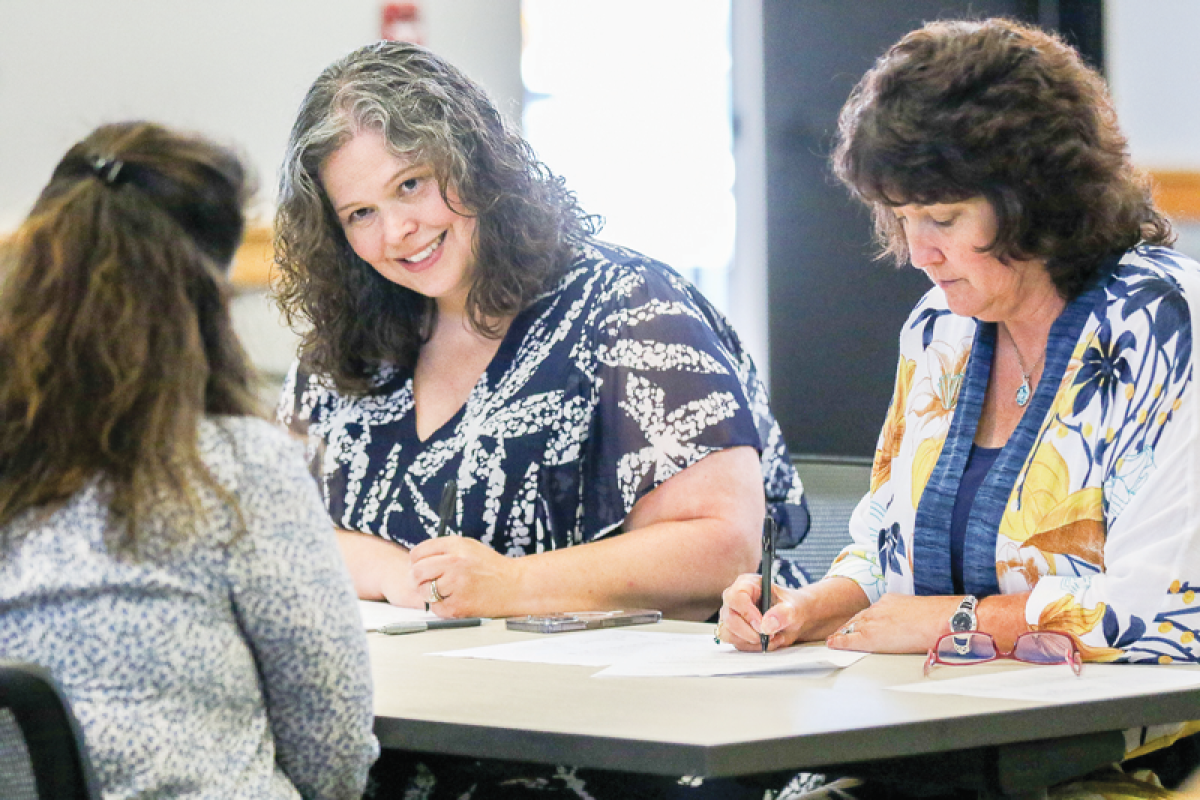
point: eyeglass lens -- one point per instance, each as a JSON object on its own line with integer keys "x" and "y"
{"x": 1043, "y": 648}
{"x": 964, "y": 648}
{"x": 1035, "y": 647}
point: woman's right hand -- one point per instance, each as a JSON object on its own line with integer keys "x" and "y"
{"x": 796, "y": 615}
{"x": 740, "y": 621}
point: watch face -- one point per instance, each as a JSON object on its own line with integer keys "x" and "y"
{"x": 961, "y": 621}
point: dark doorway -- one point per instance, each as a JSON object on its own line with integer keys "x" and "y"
{"x": 834, "y": 311}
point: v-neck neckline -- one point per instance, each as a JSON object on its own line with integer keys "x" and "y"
{"x": 499, "y": 363}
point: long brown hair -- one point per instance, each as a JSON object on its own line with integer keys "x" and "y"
{"x": 354, "y": 320}
{"x": 115, "y": 336}
{"x": 1008, "y": 112}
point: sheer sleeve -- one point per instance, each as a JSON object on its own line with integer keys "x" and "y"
{"x": 666, "y": 390}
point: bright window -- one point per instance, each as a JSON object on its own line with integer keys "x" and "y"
{"x": 629, "y": 101}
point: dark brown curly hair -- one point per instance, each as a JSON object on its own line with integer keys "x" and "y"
{"x": 1008, "y": 112}
{"x": 352, "y": 319}
{"x": 115, "y": 335}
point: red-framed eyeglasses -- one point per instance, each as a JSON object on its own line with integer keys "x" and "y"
{"x": 1031, "y": 647}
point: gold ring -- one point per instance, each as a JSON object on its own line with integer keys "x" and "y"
{"x": 434, "y": 595}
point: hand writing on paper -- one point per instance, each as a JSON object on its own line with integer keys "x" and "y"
{"x": 472, "y": 578}
{"x": 741, "y": 622}
{"x": 797, "y": 615}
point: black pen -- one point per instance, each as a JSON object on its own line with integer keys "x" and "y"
{"x": 768, "y": 562}
{"x": 448, "y": 506}
{"x": 418, "y": 626}
{"x": 446, "y": 512}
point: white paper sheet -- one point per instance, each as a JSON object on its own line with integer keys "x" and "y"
{"x": 582, "y": 648}
{"x": 376, "y": 613}
{"x": 723, "y": 660}
{"x": 1059, "y": 684}
{"x": 648, "y": 654}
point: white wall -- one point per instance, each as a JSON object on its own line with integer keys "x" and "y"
{"x": 1155, "y": 79}
{"x": 233, "y": 69}
{"x": 236, "y": 70}
{"x": 1154, "y": 73}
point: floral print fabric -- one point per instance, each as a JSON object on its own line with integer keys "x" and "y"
{"x": 1092, "y": 504}
{"x": 618, "y": 378}
{"x": 231, "y": 664}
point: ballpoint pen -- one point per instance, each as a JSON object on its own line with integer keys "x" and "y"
{"x": 448, "y": 505}
{"x": 446, "y": 512}
{"x": 417, "y": 626}
{"x": 768, "y": 562}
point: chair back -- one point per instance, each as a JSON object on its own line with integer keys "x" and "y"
{"x": 833, "y": 485}
{"x": 42, "y": 753}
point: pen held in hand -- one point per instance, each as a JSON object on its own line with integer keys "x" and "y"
{"x": 448, "y": 506}
{"x": 765, "y": 568}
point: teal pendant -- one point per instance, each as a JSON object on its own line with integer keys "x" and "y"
{"x": 1023, "y": 393}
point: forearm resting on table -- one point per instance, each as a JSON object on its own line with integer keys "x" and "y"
{"x": 679, "y": 568}
{"x": 380, "y": 569}
{"x": 681, "y": 545}
{"x": 686, "y": 540}
{"x": 896, "y": 623}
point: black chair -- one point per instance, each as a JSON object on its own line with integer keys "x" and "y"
{"x": 42, "y": 753}
{"x": 833, "y": 485}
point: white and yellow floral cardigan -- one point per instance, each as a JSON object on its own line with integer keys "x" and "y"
{"x": 1094, "y": 502}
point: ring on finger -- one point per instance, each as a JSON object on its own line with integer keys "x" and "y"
{"x": 717, "y": 634}
{"x": 847, "y": 630}
{"x": 434, "y": 595}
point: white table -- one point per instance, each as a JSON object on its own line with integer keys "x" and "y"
{"x": 848, "y": 723}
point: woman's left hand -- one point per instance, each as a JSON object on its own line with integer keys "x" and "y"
{"x": 473, "y": 580}
{"x": 896, "y": 623}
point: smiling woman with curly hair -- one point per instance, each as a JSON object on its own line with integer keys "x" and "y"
{"x": 462, "y": 327}
{"x": 505, "y": 415}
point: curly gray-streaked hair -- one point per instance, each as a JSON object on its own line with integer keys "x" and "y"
{"x": 428, "y": 112}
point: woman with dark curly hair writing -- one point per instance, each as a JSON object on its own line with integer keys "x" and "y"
{"x": 1038, "y": 469}
{"x": 608, "y": 441}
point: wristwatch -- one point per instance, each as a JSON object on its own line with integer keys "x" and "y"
{"x": 963, "y": 619}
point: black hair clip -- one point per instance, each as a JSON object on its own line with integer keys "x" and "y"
{"x": 107, "y": 169}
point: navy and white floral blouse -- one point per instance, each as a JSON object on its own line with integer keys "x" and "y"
{"x": 618, "y": 378}
{"x": 226, "y": 665}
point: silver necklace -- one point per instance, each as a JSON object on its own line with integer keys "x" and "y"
{"x": 1024, "y": 392}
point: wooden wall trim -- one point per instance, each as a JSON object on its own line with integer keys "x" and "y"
{"x": 1177, "y": 193}
{"x": 254, "y": 260}
{"x": 252, "y": 264}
